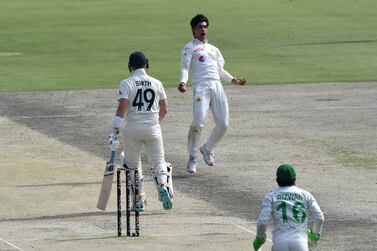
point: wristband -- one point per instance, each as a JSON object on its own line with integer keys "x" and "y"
{"x": 117, "y": 122}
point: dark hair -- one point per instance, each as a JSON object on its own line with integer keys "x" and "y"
{"x": 286, "y": 183}
{"x": 198, "y": 19}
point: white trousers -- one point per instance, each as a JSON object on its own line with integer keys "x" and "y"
{"x": 137, "y": 136}
{"x": 283, "y": 245}
{"x": 208, "y": 94}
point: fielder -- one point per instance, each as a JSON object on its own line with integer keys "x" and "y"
{"x": 289, "y": 206}
{"x": 204, "y": 64}
{"x": 143, "y": 105}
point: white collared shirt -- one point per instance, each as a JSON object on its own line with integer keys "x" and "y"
{"x": 289, "y": 207}
{"x": 144, "y": 94}
{"x": 202, "y": 61}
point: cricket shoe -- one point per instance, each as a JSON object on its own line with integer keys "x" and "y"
{"x": 141, "y": 206}
{"x": 207, "y": 156}
{"x": 191, "y": 165}
{"x": 165, "y": 198}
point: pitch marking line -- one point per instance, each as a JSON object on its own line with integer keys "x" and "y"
{"x": 59, "y": 116}
{"x": 9, "y": 54}
{"x": 248, "y": 230}
{"x": 10, "y": 244}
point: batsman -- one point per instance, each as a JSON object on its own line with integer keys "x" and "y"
{"x": 142, "y": 105}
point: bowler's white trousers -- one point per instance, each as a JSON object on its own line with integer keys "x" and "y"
{"x": 208, "y": 94}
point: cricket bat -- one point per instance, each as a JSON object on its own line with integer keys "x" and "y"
{"x": 107, "y": 183}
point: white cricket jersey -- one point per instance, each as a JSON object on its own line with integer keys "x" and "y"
{"x": 144, "y": 94}
{"x": 202, "y": 61}
{"x": 289, "y": 206}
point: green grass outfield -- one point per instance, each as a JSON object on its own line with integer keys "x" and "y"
{"x": 84, "y": 44}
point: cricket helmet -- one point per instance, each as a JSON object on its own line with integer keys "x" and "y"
{"x": 137, "y": 60}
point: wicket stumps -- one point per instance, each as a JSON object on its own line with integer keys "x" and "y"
{"x": 135, "y": 195}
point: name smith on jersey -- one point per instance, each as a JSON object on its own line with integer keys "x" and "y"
{"x": 143, "y": 83}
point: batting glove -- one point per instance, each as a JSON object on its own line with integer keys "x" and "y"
{"x": 258, "y": 242}
{"x": 114, "y": 140}
{"x": 312, "y": 236}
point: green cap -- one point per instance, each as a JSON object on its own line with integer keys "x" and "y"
{"x": 285, "y": 173}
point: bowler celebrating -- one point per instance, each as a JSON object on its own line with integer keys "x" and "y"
{"x": 204, "y": 64}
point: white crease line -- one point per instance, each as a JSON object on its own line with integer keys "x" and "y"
{"x": 58, "y": 116}
{"x": 248, "y": 230}
{"x": 10, "y": 244}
